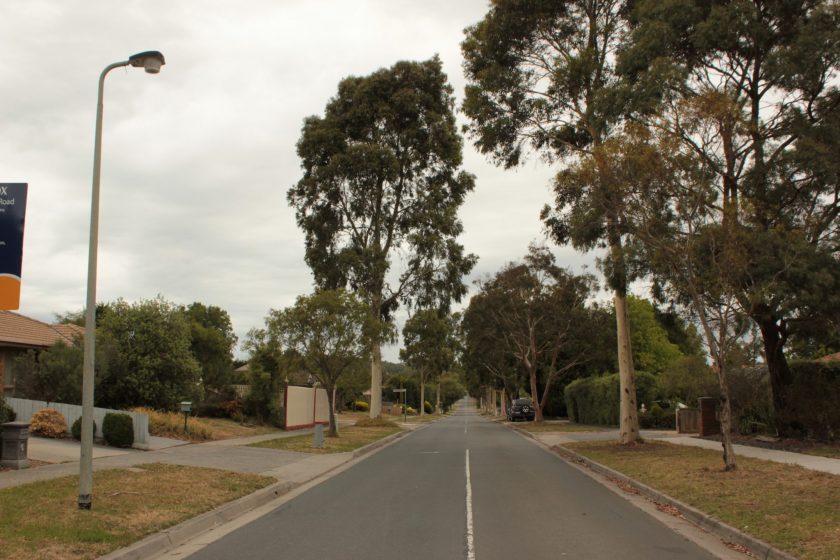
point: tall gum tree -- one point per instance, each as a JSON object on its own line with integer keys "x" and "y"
{"x": 381, "y": 180}
{"x": 542, "y": 78}
{"x": 771, "y": 69}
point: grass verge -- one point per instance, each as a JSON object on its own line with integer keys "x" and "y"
{"x": 42, "y": 520}
{"x": 790, "y": 507}
{"x": 349, "y": 438}
{"x": 541, "y": 427}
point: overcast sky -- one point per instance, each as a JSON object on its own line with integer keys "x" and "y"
{"x": 197, "y": 159}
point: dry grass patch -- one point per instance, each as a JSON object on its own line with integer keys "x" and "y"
{"x": 793, "y": 508}
{"x": 171, "y": 425}
{"x": 349, "y": 438}
{"x": 42, "y": 520}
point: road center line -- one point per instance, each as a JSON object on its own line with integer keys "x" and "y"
{"x": 470, "y": 543}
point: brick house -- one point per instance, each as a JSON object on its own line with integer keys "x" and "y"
{"x": 19, "y": 334}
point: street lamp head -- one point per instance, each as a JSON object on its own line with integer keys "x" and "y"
{"x": 151, "y": 61}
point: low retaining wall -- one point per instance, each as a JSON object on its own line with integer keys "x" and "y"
{"x": 25, "y": 408}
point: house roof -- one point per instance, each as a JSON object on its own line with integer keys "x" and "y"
{"x": 17, "y": 330}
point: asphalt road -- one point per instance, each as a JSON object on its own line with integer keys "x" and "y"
{"x": 463, "y": 488}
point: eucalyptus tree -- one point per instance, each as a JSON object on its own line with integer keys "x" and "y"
{"x": 328, "y": 333}
{"x": 381, "y": 183}
{"x": 670, "y": 201}
{"x": 430, "y": 346}
{"x": 750, "y": 89}
{"x": 542, "y": 79}
{"x": 535, "y": 313}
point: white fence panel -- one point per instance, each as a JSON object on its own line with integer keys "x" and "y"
{"x": 25, "y": 408}
{"x": 306, "y": 407}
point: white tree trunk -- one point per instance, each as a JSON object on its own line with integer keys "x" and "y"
{"x": 628, "y": 413}
{"x": 376, "y": 380}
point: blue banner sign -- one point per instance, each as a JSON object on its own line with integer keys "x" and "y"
{"x": 12, "y": 216}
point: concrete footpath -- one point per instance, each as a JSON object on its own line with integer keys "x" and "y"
{"x": 230, "y": 455}
{"x": 812, "y": 462}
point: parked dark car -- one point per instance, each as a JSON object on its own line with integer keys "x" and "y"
{"x": 521, "y": 409}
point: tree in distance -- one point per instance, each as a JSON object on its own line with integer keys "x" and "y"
{"x": 381, "y": 179}
{"x": 212, "y": 341}
{"x": 328, "y": 333}
{"x": 534, "y": 312}
{"x": 430, "y": 346}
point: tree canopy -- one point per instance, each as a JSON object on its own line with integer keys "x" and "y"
{"x": 380, "y": 177}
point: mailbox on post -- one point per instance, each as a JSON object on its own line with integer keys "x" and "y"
{"x": 186, "y": 408}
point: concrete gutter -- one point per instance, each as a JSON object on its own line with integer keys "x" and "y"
{"x": 727, "y": 533}
{"x": 167, "y": 539}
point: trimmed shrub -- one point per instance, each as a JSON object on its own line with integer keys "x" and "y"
{"x": 428, "y": 407}
{"x": 595, "y": 400}
{"x": 362, "y": 405}
{"x": 812, "y": 399}
{"x": 118, "y": 429}
{"x": 76, "y": 428}
{"x": 48, "y": 422}
{"x": 6, "y": 412}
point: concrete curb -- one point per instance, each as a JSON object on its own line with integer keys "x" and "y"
{"x": 177, "y": 535}
{"x": 727, "y": 533}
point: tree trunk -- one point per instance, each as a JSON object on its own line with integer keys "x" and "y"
{"x": 333, "y": 431}
{"x": 774, "y": 338}
{"x": 376, "y": 380}
{"x": 422, "y": 396}
{"x": 538, "y": 415}
{"x": 437, "y": 400}
{"x": 725, "y": 420}
{"x": 628, "y": 413}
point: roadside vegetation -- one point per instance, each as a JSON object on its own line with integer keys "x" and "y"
{"x": 348, "y": 439}
{"x": 171, "y": 425}
{"x": 790, "y": 507}
{"x": 42, "y": 521}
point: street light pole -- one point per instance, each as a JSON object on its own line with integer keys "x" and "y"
{"x": 151, "y": 61}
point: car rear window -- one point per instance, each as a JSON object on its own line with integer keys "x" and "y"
{"x": 522, "y": 402}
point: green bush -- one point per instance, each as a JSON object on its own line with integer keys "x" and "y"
{"x": 76, "y": 428}
{"x": 428, "y": 407}
{"x": 6, "y": 412}
{"x": 118, "y": 429}
{"x": 657, "y": 418}
{"x": 595, "y": 400}
{"x": 362, "y": 405}
{"x": 812, "y": 399}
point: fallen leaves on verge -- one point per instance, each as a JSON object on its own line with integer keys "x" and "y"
{"x": 739, "y": 548}
{"x": 669, "y": 509}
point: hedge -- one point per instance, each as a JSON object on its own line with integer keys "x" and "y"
{"x": 595, "y": 400}
{"x": 76, "y": 428}
{"x": 813, "y": 399}
{"x": 118, "y": 429}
